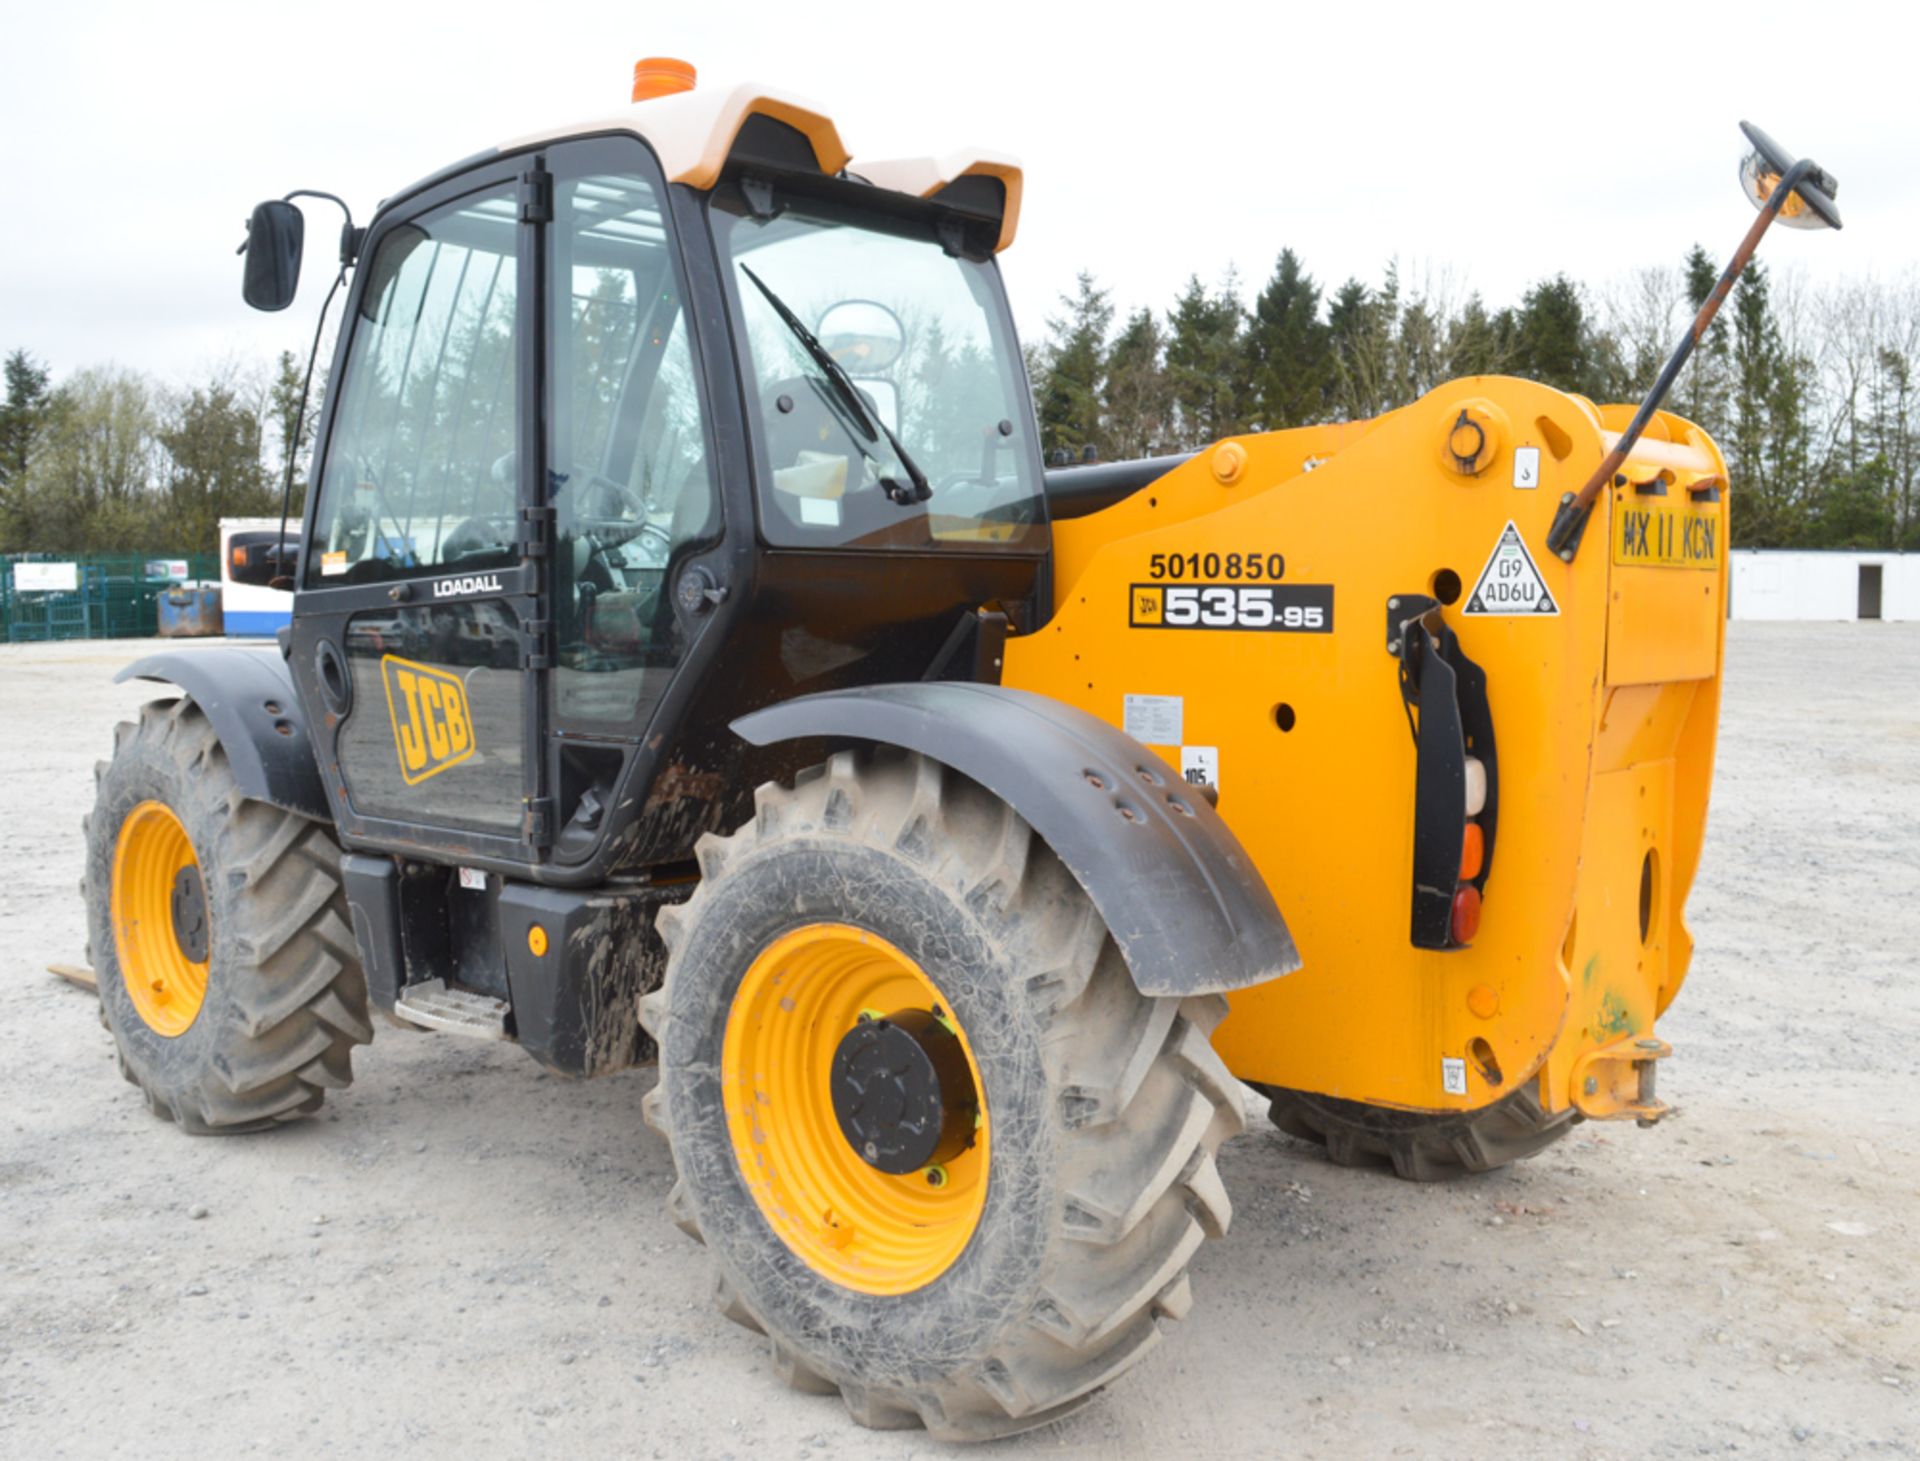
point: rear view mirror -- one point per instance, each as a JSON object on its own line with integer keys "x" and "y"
{"x": 259, "y": 557}
{"x": 275, "y": 234}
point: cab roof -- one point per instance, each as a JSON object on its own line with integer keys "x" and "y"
{"x": 695, "y": 133}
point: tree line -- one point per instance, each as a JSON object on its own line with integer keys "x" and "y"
{"x": 109, "y": 460}
{"x": 1809, "y": 394}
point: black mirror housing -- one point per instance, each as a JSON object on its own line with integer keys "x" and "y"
{"x": 275, "y": 236}
{"x": 257, "y": 557}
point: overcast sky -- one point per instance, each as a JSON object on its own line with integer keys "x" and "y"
{"x": 1497, "y": 142}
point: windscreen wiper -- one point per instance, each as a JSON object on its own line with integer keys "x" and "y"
{"x": 850, "y": 397}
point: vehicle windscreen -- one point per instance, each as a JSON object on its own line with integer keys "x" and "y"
{"x": 884, "y": 385}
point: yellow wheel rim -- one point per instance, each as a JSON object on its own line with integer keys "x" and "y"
{"x": 166, "y": 985}
{"x": 863, "y": 1228}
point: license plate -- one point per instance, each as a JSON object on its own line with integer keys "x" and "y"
{"x": 1652, "y": 532}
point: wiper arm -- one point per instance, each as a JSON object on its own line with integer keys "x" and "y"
{"x": 849, "y": 396}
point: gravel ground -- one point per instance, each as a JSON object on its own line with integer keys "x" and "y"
{"x": 465, "y": 1254}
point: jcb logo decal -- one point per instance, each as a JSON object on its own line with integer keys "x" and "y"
{"x": 432, "y": 726}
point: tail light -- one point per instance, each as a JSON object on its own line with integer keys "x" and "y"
{"x": 1455, "y": 782}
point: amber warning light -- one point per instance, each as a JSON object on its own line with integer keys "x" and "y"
{"x": 661, "y": 76}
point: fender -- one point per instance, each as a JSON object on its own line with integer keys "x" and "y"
{"x": 268, "y": 748}
{"x": 1188, "y": 909}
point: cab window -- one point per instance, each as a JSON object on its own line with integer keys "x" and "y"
{"x": 628, "y": 466}
{"x": 419, "y": 474}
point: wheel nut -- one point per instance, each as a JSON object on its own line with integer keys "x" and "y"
{"x": 936, "y": 1176}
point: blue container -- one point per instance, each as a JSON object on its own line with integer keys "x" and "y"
{"x": 190, "y": 613}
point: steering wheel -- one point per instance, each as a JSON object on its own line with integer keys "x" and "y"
{"x": 486, "y": 535}
{"x": 612, "y": 514}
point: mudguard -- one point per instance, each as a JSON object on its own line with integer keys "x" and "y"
{"x": 248, "y": 695}
{"x": 1183, "y": 901}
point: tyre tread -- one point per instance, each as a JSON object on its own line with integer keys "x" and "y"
{"x": 1139, "y": 1118}
{"x": 293, "y": 1001}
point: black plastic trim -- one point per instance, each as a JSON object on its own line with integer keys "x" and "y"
{"x": 269, "y": 750}
{"x": 576, "y": 1005}
{"x": 1184, "y": 902}
{"x": 1078, "y": 491}
{"x": 373, "y": 901}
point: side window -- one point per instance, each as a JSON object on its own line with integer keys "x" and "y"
{"x": 420, "y": 471}
{"x": 633, "y": 491}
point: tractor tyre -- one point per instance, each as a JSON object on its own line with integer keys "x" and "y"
{"x": 219, "y": 934}
{"x": 1420, "y": 1148}
{"x": 884, "y": 903}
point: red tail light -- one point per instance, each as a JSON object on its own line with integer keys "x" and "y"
{"x": 1466, "y": 913}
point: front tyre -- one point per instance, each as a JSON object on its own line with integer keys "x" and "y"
{"x": 218, "y": 932}
{"x": 944, "y": 1154}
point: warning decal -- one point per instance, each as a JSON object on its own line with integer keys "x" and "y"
{"x": 1511, "y": 582}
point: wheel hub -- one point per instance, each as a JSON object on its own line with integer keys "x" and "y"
{"x": 902, "y": 1091}
{"x": 189, "y": 908}
{"x": 162, "y": 934}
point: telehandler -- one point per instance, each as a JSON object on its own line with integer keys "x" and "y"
{"x": 692, "y": 660}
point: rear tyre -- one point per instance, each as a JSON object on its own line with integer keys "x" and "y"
{"x": 1419, "y": 1148}
{"x": 1041, "y": 1262}
{"x": 219, "y": 933}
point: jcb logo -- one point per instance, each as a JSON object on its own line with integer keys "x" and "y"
{"x": 432, "y": 726}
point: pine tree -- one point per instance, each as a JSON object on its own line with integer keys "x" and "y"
{"x": 283, "y": 410}
{"x": 1477, "y": 342}
{"x": 1554, "y": 344}
{"x": 1700, "y": 394}
{"x": 1288, "y": 350}
{"x": 23, "y": 422}
{"x": 1359, "y": 329}
{"x": 1206, "y": 362}
{"x": 1136, "y": 395}
{"x": 23, "y": 415}
{"x": 1067, "y": 393}
{"x": 1763, "y": 419}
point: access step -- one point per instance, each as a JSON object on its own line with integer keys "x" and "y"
{"x": 439, "y": 1006}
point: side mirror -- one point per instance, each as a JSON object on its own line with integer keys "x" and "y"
{"x": 1809, "y": 205}
{"x": 863, "y": 335}
{"x": 275, "y": 235}
{"x": 257, "y": 559}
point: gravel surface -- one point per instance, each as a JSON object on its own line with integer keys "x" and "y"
{"x": 463, "y": 1254}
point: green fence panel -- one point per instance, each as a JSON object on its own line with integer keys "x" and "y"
{"x": 116, "y": 595}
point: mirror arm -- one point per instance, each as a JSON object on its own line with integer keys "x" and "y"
{"x": 288, "y": 581}
{"x": 350, "y": 240}
{"x": 1570, "y": 522}
{"x": 350, "y": 237}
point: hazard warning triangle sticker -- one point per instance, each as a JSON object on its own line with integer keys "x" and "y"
{"x": 1511, "y": 581}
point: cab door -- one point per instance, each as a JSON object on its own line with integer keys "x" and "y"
{"x": 418, "y": 613}
{"x": 515, "y": 469}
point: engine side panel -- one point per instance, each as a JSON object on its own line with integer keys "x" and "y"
{"x": 1303, "y": 725}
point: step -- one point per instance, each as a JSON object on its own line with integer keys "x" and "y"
{"x": 438, "y": 1006}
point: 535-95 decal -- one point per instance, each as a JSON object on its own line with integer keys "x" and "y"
{"x": 1288, "y": 608}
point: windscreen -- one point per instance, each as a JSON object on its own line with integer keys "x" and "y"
{"x": 883, "y": 382}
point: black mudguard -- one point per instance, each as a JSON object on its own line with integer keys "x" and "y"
{"x": 248, "y": 695}
{"x": 1184, "y": 902}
